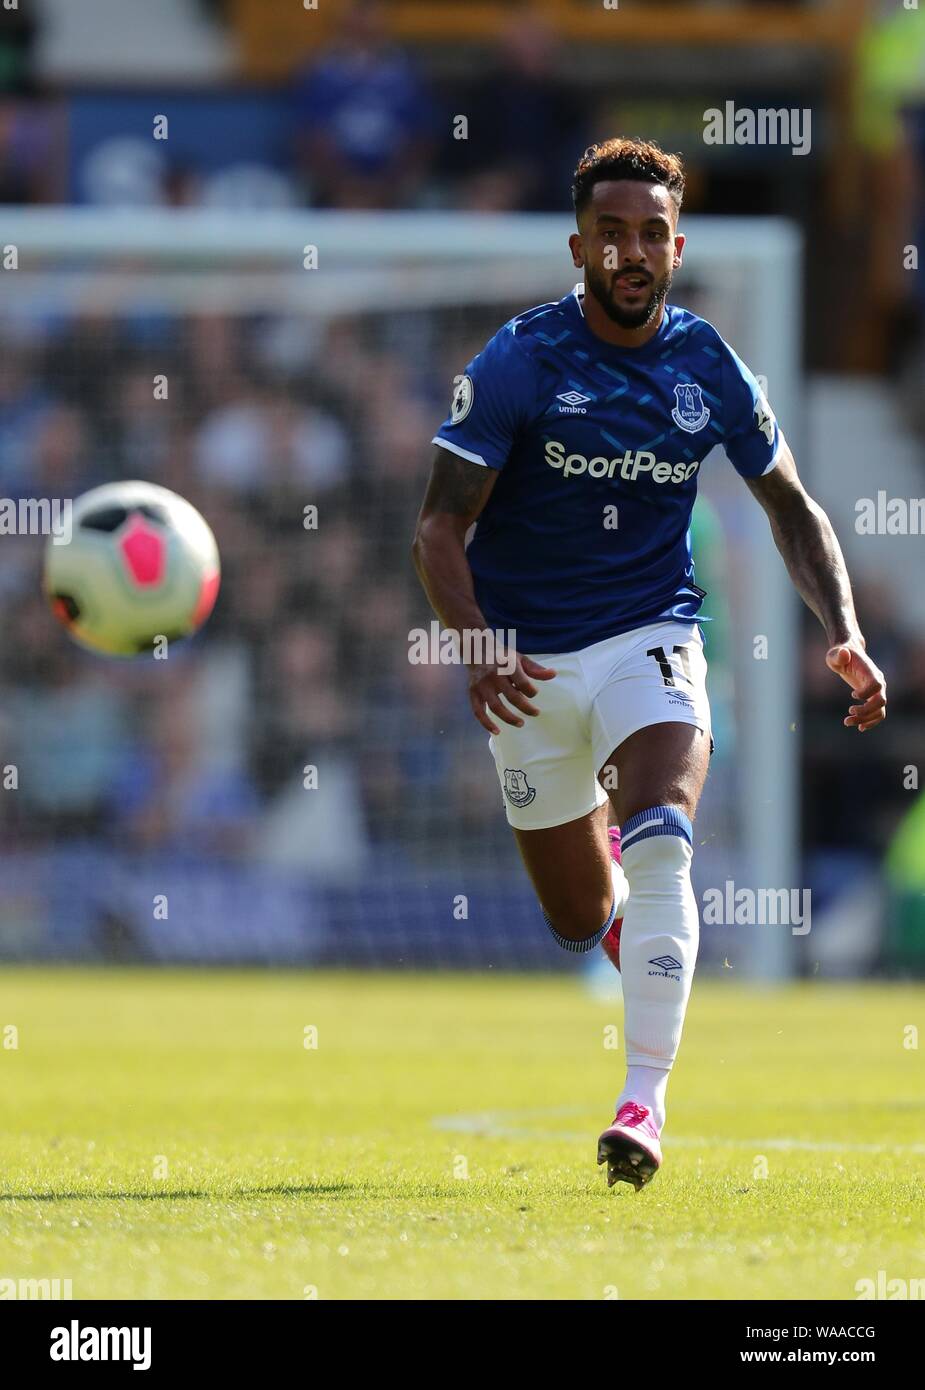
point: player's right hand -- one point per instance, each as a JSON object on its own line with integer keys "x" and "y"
{"x": 488, "y": 686}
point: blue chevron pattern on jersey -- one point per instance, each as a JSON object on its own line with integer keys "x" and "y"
{"x": 598, "y": 449}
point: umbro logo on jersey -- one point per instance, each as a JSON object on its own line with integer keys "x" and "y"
{"x": 572, "y": 403}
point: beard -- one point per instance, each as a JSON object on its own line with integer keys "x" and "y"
{"x": 601, "y": 286}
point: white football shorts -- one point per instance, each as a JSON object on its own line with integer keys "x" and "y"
{"x": 602, "y": 694}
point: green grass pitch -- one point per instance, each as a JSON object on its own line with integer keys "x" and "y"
{"x": 167, "y": 1134}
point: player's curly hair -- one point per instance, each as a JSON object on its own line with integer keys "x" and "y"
{"x": 621, "y": 158}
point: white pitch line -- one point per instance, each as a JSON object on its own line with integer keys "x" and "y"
{"x": 509, "y": 1124}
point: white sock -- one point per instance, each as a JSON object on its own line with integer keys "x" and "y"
{"x": 658, "y": 945}
{"x": 647, "y": 1085}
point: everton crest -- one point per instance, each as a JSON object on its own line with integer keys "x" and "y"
{"x": 689, "y": 413}
{"x": 516, "y": 787}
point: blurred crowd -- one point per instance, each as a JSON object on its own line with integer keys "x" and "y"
{"x": 304, "y": 671}
{"x": 306, "y": 660}
{"x": 305, "y": 665}
{"x": 362, "y": 120}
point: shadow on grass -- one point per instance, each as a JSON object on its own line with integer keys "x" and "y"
{"x": 325, "y": 1189}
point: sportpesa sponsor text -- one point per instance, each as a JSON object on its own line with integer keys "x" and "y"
{"x": 627, "y": 465}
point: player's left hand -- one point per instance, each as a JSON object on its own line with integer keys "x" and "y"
{"x": 850, "y": 661}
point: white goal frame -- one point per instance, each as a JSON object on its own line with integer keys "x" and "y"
{"x": 192, "y": 259}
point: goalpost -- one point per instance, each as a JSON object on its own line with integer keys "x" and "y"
{"x": 426, "y": 287}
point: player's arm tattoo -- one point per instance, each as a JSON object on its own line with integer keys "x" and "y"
{"x": 457, "y": 487}
{"x": 456, "y": 494}
{"x": 804, "y": 536}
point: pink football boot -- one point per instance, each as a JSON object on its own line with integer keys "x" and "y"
{"x": 631, "y": 1147}
{"x": 611, "y": 942}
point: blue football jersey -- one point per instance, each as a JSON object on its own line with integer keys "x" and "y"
{"x": 587, "y": 531}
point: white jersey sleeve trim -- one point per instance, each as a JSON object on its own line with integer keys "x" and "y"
{"x": 456, "y": 449}
{"x": 781, "y": 444}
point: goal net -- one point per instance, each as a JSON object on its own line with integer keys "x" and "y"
{"x": 289, "y": 787}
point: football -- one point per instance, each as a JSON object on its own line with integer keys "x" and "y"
{"x": 138, "y": 564}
